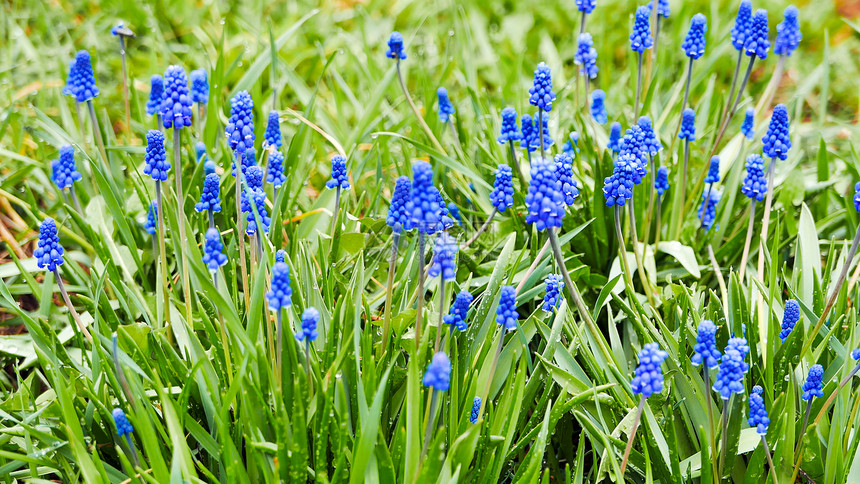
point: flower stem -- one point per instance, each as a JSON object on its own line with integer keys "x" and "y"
{"x": 636, "y": 420}
{"x": 75, "y": 200}
{"x": 582, "y": 23}
{"x": 418, "y": 113}
{"x": 211, "y": 219}
{"x": 133, "y": 450}
{"x": 120, "y": 375}
{"x": 389, "y": 291}
{"x": 480, "y": 230}
{"x": 239, "y": 229}
{"x": 441, "y": 312}
{"x": 773, "y": 85}
{"x": 125, "y": 86}
{"x": 279, "y": 315}
{"x": 723, "y": 436}
{"x": 336, "y": 212}
{"x": 711, "y": 433}
{"x": 761, "y": 255}
{"x": 750, "y": 227}
{"x": 81, "y": 129}
{"x": 540, "y": 133}
{"x": 486, "y": 395}
{"x": 517, "y": 166}
{"x": 732, "y": 89}
{"x": 638, "y": 87}
{"x": 428, "y": 432}
{"x": 657, "y": 223}
{"x": 308, "y": 363}
{"x": 687, "y": 87}
{"x": 803, "y": 428}
{"x": 646, "y": 283}
{"x": 652, "y": 194}
{"x": 183, "y": 239}
{"x": 769, "y": 459}
{"x": 98, "y": 134}
{"x": 224, "y": 340}
{"x": 731, "y": 112}
{"x": 75, "y": 316}
{"x": 683, "y": 189}
{"x": 420, "y": 306}
{"x": 622, "y": 249}
{"x": 159, "y": 200}
{"x": 534, "y": 266}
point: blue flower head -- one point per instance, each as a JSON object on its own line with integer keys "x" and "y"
{"x": 598, "y": 106}
{"x": 857, "y": 196}
{"x": 423, "y": 208}
{"x": 706, "y": 345}
{"x": 123, "y": 426}
{"x": 395, "y": 47}
{"x": 258, "y": 197}
{"x": 339, "y": 176}
{"x": 688, "y": 125}
{"x": 713, "y": 170}
{"x": 275, "y": 174}
{"x": 640, "y": 36}
{"x": 310, "y": 320}
{"x": 541, "y": 94}
{"x": 49, "y": 253}
{"x": 438, "y": 374}
{"x": 855, "y": 353}
{"x": 240, "y": 126}
{"x": 248, "y": 157}
{"x": 742, "y": 25}
{"x": 730, "y": 376}
{"x": 790, "y": 317}
{"x": 777, "y": 141}
{"x": 509, "y": 131}
{"x": 65, "y": 173}
{"x": 758, "y": 414}
{"x": 157, "y": 165}
{"x": 454, "y": 212}
{"x": 502, "y": 195}
{"x": 209, "y": 196}
{"x": 748, "y": 128}
{"x": 445, "y": 219}
{"x": 83, "y": 80}
{"x": 618, "y": 188}
{"x": 661, "y": 183}
{"x": 615, "y": 137}
{"x": 446, "y": 109}
{"x": 708, "y": 208}
{"x": 151, "y": 222}
{"x": 788, "y": 34}
{"x": 213, "y": 250}
{"x": 443, "y": 257}
{"x": 476, "y": 404}
{"x": 756, "y": 42}
{"x": 534, "y": 142}
{"x": 813, "y": 386}
{"x": 694, "y": 42}
{"x": 586, "y": 56}
{"x": 199, "y": 86}
{"x": 176, "y": 104}
{"x": 121, "y": 30}
{"x": 755, "y": 181}
{"x": 459, "y": 310}
{"x": 506, "y": 313}
{"x": 650, "y": 143}
{"x": 280, "y": 295}
{"x": 564, "y": 171}
{"x": 281, "y": 255}
{"x": 273, "y": 131}
{"x": 398, "y": 217}
{"x": 200, "y": 152}
{"x": 586, "y": 6}
{"x": 69, "y": 88}
{"x": 544, "y": 200}
{"x": 663, "y": 9}
{"x": 553, "y": 284}
{"x": 530, "y": 134}
{"x": 156, "y": 95}
{"x": 649, "y": 376}
{"x": 633, "y": 144}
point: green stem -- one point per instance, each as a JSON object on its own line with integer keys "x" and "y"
{"x": 643, "y": 276}
{"x": 709, "y": 403}
{"x": 638, "y": 87}
{"x": 428, "y": 432}
{"x": 636, "y": 420}
{"x": 723, "y": 436}
{"x": 418, "y": 113}
{"x": 239, "y": 228}
{"x": 420, "y": 306}
{"x": 159, "y": 201}
{"x": 98, "y": 134}
{"x": 180, "y": 208}
{"x": 480, "y": 230}
{"x": 441, "y": 313}
{"x": 75, "y": 316}
{"x": 748, "y": 241}
{"x": 769, "y": 459}
{"x": 389, "y": 291}
{"x": 125, "y": 85}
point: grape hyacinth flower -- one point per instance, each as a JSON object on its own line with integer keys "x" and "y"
{"x": 156, "y": 96}
{"x": 254, "y": 197}
{"x": 310, "y": 320}
{"x": 199, "y": 88}
{"x": 542, "y": 96}
{"x": 502, "y": 196}
{"x": 210, "y": 199}
{"x": 280, "y": 293}
{"x": 586, "y": 58}
{"x": 425, "y": 214}
{"x": 564, "y": 172}
{"x": 713, "y": 170}
{"x": 456, "y": 317}
{"x": 213, "y": 251}
{"x": 281, "y": 255}
{"x": 756, "y": 43}
{"x": 509, "y": 132}
{"x": 553, "y": 284}
{"x": 814, "y": 384}
{"x": 661, "y": 183}
{"x": 598, "y": 107}
{"x": 83, "y": 80}
{"x": 758, "y": 414}
{"x": 248, "y": 159}
{"x": 570, "y": 146}
{"x": 542, "y": 135}
{"x": 339, "y": 181}
{"x": 506, "y": 313}
{"x": 732, "y": 369}
{"x": 586, "y": 7}
{"x": 755, "y": 188}
{"x": 788, "y": 34}
{"x": 395, "y": 47}
{"x": 71, "y": 77}
{"x": 615, "y": 137}
{"x": 150, "y": 224}
{"x": 397, "y": 217}
{"x": 777, "y": 141}
{"x": 708, "y": 208}
{"x": 125, "y": 429}
{"x": 65, "y": 173}
{"x": 706, "y": 351}
{"x": 273, "y": 132}
{"x": 176, "y": 104}
{"x": 647, "y": 381}
{"x": 694, "y": 42}
{"x": 640, "y": 39}
{"x": 240, "y": 126}
{"x": 275, "y": 171}
{"x": 446, "y": 109}
{"x": 688, "y": 125}
{"x": 742, "y": 25}
{"x": 155, "y": 158}
{"x": 790, "y": 317}
{"x": 437, "y": 377}
{"x": 121, "y": 32}
{"x": 747, "y": 128}
{"x": 544, "y": 200}
{"x": 443, "y": 258}
{"x": 476, "y": 409}
{"x": 530, "y": 135}
{"x": 618, "y": 188}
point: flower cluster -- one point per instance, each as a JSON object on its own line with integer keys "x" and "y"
{"x": 758, "y": 414}
{"x": 598, "y": 106}
{"x": 648, "y": 379}
{"x": 586, "y": 56}
{"x": 586, "y": 6}
{"x": 339, "y": 176}
{"x": 213, "y": 250}
{"x": 541, "y": 94}
{"x": 615, "y": 137}
{"x": 65, "y": 173}
{"x": 157, "y": 165}
{"x": 694, "y": 42}
{"x": 280, "y": 294}
{"x": 275, "y": 173}
{"x": 509, "y": 131}
{"x": 446, "y": 109}
{"x": 49, "y": 253}
{"x": 618, "y": 188}
{"x": 640, "y": 37}
{"x": 534, "y": 141}
{"x": 688, "y": 125}
{"x": 553, "y": 284}
{"x": 151, "y": 222}
{"x": 423, "y": 208}
{"x": 310, "y": 320}
{"x": 254, "y": 197}
{"x": 857, "y": 196}
{"x": 123, "y": 426}
{"x": 708, "y": 208}
{"x": 209, "y": 197}
{"x": 395, "y": 47}
{"x": 790, "y": 317}
{"x": 730, "y": 377}
{"x": 777, "y": 142}
{"x": 240, "y": 126}
{"x": 663, "y": 9}
{"x": 570, "y": 146}
{"x": 156, "y": 95}
{"x": 82, "y": 80}
{"x": 788, "y": 34}
{"x": 706, "y": 351}
{"x": 530, "y": 134}
{"x": 457, "y": 314}
{"x": 814, "y": 385}
{"x": 443, "y": 257}
{"x": 755, "y": 181}
{"x": 742, "y": 25}
{"x": 273, "y": 131}
{"x": 661, "y": 183}
{"x": 506, "y": 313}
{"x": 650, "y": 144}
{"x": 476, "y": 407}
{"x": 756, "y": 42}
{"x": 564, "y": 172}
{"x": 176, "y": 103}
{"x": 199, "y": 86}
{"x": 748, "y": 128}
{"x": 398, "y": 216}
{"x": 713, "y": 170}
{"x": 544, "y": 199}
{"x": 438, "y": 374}
{"x": 502, "y": 195}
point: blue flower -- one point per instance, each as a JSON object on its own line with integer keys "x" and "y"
{"x": 756, "y": 42}
{"x": 747, "y": 128}
{"x": 120, "y": 29}
{"x": 176, "y": 104}
{"x": 570, "y": 146}
{"x": 586, "y": 56}
{"x": 788, "y": 34}
{"x": 650, "y": 143}
{"x": 65, "y": 173}
{"x": 213, "y": 250}
{"x": 49, "y": 253}
{"x": 509, "y": 131}
{"x": 547, "y": 139}
{"x": 200, "y": 151}
{"x": 423, "y": 208}
{"x": 70, "y": 87}
{"x": 209, "y": 196}
{"x": 777, "y": 141}
{"x": 156, "y": 95}
{"x": 395, "y": 47}
{"x": 476, "y": 404}
{"x": 280, "y": 255}
{"x": 446, "y": 109}
{"x": 694, "y": 42}
{"x": 254, "y": 193}
{"x": 730, "y": 377}
{"x": 640, "y": 37}
{"x": 280, "y": 294}
{"x": 438, "y": 374}
{"x": 151, "y": 219}
{"x": 713, "y": 170}
{"x": 398, "y": 217}
{"x": 706, "y": 345}
{"x": 541, "y": 94}
{"x": 249, "y": 159}
{"x": 615, "y": 137}
{"x": 598, "y": 106}
{"x": 618, "y": 188}
{"x": 790, "y": 317}
{"x": 649, "y": 376}
{"x": 633, "y": 144}
{"x": 530, "y": 134}
{"x": 310, "y": 319}
{"x": 339, "y": 176}
{"x": 755, "y": 182}
{"x": 708, "y": 208}
{"x": 459, "y": 310}
{"x": 688, "y": 125}
{"x": 240, "y": 126}
{"x": 553, "y": 284}
{"x": 199, "y": 86}
{"x": 454, "y": 212}
{"x": 586, "y": 6}
{"x": 82, "y": 79}
{"x": 443, "y": 257}
{"x": 855, "y": 354}
{"x": 544, "y": 200}
{"x": 661, "y": 183}
{"x": 857, "y": 196}
{"x": 663, "y": 9}
{"x": 742, "y": 25}
{"x": 813, "y": 386}
{"x": 564, "y": 171}
{"x": 123, "y": 426}
{"x": 506, "y": 313}
{"x": 275, "y": 174}
{"x": 502, "y": 195}
{"x": 446, "y": 222}
{"x": 758, "y": 414}
{"x": 157, "y": 165}
{"x": 273, "y": 131}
